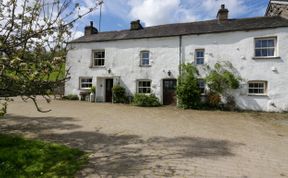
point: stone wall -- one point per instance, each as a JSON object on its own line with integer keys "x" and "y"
{"x": 278, "y": 10}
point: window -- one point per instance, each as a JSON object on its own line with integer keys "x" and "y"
{"x": 144, "y": 58}
{"x": 265, "y": 47}
{"x": 98, "y": 58}
{"x": 201, "y": 85}
{"x": 85, "y": 83}
{"x": 144, "y": 86}
{"x": 199, "y": 56}
{"x": 257, "y": 87}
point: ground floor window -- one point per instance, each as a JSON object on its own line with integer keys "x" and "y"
{"x": 85, "y": 82}
{"x": 257, "y": 87}
{"x": 144, "y": 86}
{"x": 201, "y": 85}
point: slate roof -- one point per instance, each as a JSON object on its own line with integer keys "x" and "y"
{"x": 193, "y": 28}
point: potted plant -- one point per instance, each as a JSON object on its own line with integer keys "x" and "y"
{"x": 92, "y": 93}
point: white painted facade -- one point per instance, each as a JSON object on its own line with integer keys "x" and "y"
{"x": 123, "y": 60}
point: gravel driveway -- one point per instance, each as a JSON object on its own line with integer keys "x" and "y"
{"x": 128, "y": 141}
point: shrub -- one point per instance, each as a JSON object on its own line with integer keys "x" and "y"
{"x": 146, "y": 100}
{"x": 221, "y": 80}
{"x": 188, "y": 91}
{"x": 93, "y": 89}
{"x": 71, "y": 97}
{"x": 119, "y": 94}
{"x": 230, "y": 104}
{"x": 213, "y": 99}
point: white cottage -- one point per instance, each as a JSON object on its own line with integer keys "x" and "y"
{"x": 146, "y": 60}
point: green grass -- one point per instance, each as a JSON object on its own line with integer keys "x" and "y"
{"x": 32, "y": 158}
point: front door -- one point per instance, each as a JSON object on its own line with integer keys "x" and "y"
{"x": 108, "y": 90}
{"x": 169, "y": 91}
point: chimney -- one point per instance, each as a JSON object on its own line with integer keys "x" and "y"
{"x": 90, "y": 30}
{"x": 222, "y": 14}
{"x": 136, "y": 25}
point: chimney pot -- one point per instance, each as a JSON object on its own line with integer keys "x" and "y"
{"x": 136, "y": 25}
{"x": 90, "y": 30}
{"x": 222, "y": 14}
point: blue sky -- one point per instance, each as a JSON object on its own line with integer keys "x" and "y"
{"x": 117, "y": 14}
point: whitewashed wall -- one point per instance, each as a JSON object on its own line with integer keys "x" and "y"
{"x": 237, "y": 47}
{"x": 123, "y": 58}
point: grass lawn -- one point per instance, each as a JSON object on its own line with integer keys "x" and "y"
{"x": 21, "y": 157}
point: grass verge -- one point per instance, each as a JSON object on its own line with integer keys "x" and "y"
{"x": 21, "y": 157}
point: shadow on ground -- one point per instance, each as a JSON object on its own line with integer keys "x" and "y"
{"x": 123, "y": 155}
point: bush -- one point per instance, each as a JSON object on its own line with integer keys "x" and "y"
{"x": 119, "y": 94}
{"x": 230, "y": 104}
{"x": 93, "y": 89}
{"x": 188, "y": 91}
{"x": 213, "y": 99}
{"x": 146, "y": 100}
{"x": 220, "y": 80}
{"x": 71, "y": 97}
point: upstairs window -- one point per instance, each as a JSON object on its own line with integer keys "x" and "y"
{"x": 265, "y": 47}
{"x": 144, "y": 58}
{"x": 199, "y": 56}
{"x": 85, "y": 82}
{"x": 98, "y": 58}
{"x": 144, "y": 86}
{"x": 257, "y": 87}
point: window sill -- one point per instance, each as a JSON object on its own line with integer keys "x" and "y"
{"x": 145, "y": 66}
{"x": 269, "y": 57}
{"x": 97, "y": 67}
{"x": 261, "y": 95}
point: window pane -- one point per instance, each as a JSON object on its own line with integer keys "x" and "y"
{"x": 264, "y": 43}
{"x": 270, "y": 43}
{"x": 264, "y": 52}
{"x": 145, "y": 54}
{"x": 271, "y": 52}
{"x": 258, "y": 43}
{"x": 258, "y": 52}
{"x": 200, "y": 54}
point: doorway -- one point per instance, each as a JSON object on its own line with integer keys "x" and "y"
{"x": 108, "y": 90}
{"x": 169, "y": 91}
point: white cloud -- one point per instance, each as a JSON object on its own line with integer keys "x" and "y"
{"x": 153, "y": 12}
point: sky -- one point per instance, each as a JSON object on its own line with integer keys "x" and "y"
{"x": 117, "y": 14}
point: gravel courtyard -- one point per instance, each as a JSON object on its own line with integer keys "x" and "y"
{"x": 128, "y": 141}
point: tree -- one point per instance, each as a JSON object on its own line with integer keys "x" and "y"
{"x": 188, "y": 91}
{"x": 33, "y": 46}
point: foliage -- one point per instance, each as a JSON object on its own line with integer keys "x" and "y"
{"x": 71, "y": 97}
{"x": 188, "y": 91}
{"x": 213, "y": 99}
{"x": 33, "y": 45}
{"x": 230, "y": 104}
{"x": 145, "y": 100}
{"x": 119, "y": 94}
{"x": 221, "y": 80}
{"x": 31, "y": 158}
{"x": 93, "y": 89}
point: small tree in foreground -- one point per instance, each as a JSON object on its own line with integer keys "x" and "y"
{"x": 33, "y": 39}
{"x": 188, "y": 91}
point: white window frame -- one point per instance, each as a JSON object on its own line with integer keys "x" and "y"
{"x": 202, "y": 86}
{"x": 142, "y": 58}
{"x": 144, "y": 87}
{"x": 89, "y": 83}
{"x": 200, "y": 58}
{"x": 265, "y": 48}
{"x": 264, "y": 88}
{"x": 95, "y": 58}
